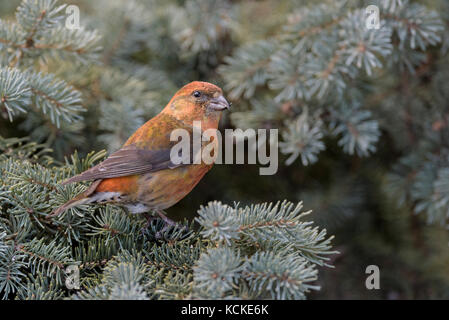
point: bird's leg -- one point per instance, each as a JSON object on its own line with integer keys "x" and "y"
{"x": 165, "y": 218}
{"x": 168, "y": 222}
{"x": 149, "y": 218}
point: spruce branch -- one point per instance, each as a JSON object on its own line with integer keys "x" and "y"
{"x": 173, "y": 285}
{"x": 14, "y": 92}
{"x": 55, "y": 97}
{"x": 282, "y": 276}
{"x": 36, "y": 17}
{"x": 41, "y": 288}
{"x": 303, "y": 137}
{"x": 267, "y": 225}
{"x": 79, "y": 44}
{"x": 20, "y": 90}
{"x": 12, "y": 262}
{"x": 217, "y": 272}
{"x": 24, "y": 149}
{"x": 201, "y": 24}
{"x": 49, "y": 259}
{"x": 365, "y": 47}
{"x": 287, "y": 75}
{"x": 112, "y": 222}
{"x": 219, "y": 222}
{"x": 121, "y": 280}
{"x": 180, "y": 256}
{"x": 358, "y": 132}
{"x": 415, "y": 25}
{"x": 247, "y": 68}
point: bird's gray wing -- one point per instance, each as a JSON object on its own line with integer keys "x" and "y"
{"x": 127, "y": 161}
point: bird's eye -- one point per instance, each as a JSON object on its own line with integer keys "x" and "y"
{"x": 197, "y": 94}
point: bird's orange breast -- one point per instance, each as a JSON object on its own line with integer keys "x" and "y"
{"x": 162, "y": 189}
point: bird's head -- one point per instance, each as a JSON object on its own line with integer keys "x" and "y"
{"x": 197, "y": 101}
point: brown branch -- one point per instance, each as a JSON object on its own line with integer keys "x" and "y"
{"x": 407, "y": 22}
{"x": 43, "y": 94}
{"x": 114, "y": 232}
{"x": 165, "y": 265}
{"x": 316, "y": 29}
{"x": 281, "y": 223}
{"x": 29, "y": 42}
{"x": 29, "y": 39}
{"x": 93, "y": 264}
{"x": 42, "y": 184}
{"x": 253, "y": 69}
{"x": 20, "y": 248}
{"x": 332, "y": 63}
{"x": 41, "y": 46}
{"x": 121, "y": 35}
{"x": 57, "y": 47}
{"x": 11, "y": 236}
{"x": 283, "y": 277}
{"x": 12, "y": 44}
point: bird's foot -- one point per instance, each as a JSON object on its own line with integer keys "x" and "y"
{"x": 149, "y": 218}
{"x": 168, "y": 223}
{"x": 167, "y": 220}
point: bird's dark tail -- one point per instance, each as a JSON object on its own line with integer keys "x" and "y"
{"x": 82, "y": 198}
{"x": 69, "y": 204}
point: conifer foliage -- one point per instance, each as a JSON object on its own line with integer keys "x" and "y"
{"x": 258, "y": 251}
{"x": 362, "y": 115}
{"x": 262, "y": 251}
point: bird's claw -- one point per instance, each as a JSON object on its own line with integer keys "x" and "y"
{"x": 167, "y": 224}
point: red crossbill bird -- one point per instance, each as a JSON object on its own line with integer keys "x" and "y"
{"x": 141, "y": 176}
